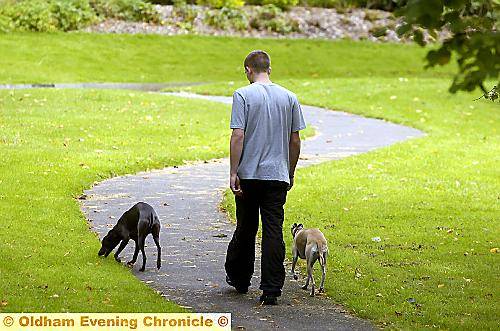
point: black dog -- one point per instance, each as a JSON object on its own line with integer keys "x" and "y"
{"x": 136, "y": 223}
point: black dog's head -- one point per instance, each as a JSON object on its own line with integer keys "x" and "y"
{"x": 296, "y": 228}
{"x": 109, "y": 242}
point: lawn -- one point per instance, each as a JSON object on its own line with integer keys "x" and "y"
{"x": 433, "y": 201}
{"x": 81, "y": 57}
{"x": 55, "y": 144}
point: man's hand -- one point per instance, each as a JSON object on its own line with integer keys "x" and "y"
{"x": 234, "y": 184}
{"x": 291, "y": 184}
{"x": 294, "y": 151}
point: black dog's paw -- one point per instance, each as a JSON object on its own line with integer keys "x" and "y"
{"x": 321, "y": 290}
{"x": 304, "y": 287}
{"x": 142, "y": 269}
{"x": 117, "y": 259}
{"x": 158, "y": 266}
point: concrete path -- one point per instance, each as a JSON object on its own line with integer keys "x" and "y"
{"x": 195, "y": 233}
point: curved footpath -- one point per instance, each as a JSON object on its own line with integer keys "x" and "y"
{"x": 195, "y": 233}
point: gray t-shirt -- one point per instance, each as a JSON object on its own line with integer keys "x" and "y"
{"x": 268, "y": 113}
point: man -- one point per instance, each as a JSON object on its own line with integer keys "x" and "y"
{"x": 265, "y": 146}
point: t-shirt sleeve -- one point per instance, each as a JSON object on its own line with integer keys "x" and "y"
{"x": 238, "y": 120}
{"x": 298, "y": 122}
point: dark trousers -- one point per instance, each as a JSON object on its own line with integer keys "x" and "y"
{"x": 269, "y": 197}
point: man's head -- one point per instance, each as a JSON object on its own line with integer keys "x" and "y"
{"x": 257, "y": 63}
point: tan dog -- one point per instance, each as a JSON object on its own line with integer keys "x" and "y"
{"x": 309, "y": 244}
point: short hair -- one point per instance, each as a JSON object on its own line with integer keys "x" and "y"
{"x": 258, "y": 60}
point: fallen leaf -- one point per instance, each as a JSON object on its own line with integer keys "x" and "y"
{"x": 220, "y": 235}
{"x": 3, "y": 303}
{"x": 494, "y": 250}
{"x": 440, "y": 285}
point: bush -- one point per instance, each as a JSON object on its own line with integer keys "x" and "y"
{"x": 186, "y": 13}
{"x": 73, "y": 14}
{"x": 67, "y": 15}
{"x": 320, "y": 3}
{"x": 169, "y": 2}
{"x": 389, "y": 5}
{"x": 282, "y": 4}
{"x": 5, "y": 24}
{"x": 221, "y": 3}
{"x": 227, "y": 18}
{"x": 271, "y": 18}
{"x": 53, "y": 15}
{"x": 128, "y": 10}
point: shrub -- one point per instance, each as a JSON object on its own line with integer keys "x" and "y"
{"x": 389, "y": 5}
{"x": 5, "y": 24}
{"x": 186, "y": 13}
{"x": 271, "y": 18}
{"x": 129, "y": 10}
{"x": 227, "y": 18}
{"x": 66, "y": 15}
{"x": 320, "y": 3}
{"x": 282, "y": 4}
{"x": 221, "y": 3}
{"x": 73, "y": 14}
{"x": 53, "y": 15}
{"x": 169, "y": 2}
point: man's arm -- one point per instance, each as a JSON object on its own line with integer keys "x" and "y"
{"x": 294, "y": 152}
{"x": 236, "y": 147}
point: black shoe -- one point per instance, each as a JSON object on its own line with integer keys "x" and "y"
{"x": 268, "y": 299}
{"x": 240, "y": 289}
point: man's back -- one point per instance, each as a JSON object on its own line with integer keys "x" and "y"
{"x": 268, "y": 113}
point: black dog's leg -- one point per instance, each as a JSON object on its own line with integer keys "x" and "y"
{"x": 136, "y": 252}
{"x": 142, "y": 233}
{"x": 141, "y": 247}
{"x": 156, "y": 237}
{"x": 120, "y": 249}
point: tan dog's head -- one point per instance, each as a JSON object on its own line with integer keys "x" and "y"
{"x": 296, "y": 228}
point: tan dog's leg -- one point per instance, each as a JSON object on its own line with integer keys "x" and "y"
{"x": 310, "y": 272}
{"x": 309, "y": 276}
{"x": 323, "y": 270}
{"x": 294, "y": 261}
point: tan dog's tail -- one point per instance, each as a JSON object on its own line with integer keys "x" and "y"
{"x": 322, "y": 252}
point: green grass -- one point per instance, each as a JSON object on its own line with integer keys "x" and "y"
{"x": 56, "y": 143}
{"x": 433, "y": 201}
{"x": 80, "y": 57}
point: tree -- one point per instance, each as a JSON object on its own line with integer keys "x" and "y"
{"x": 474, "y": 38}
